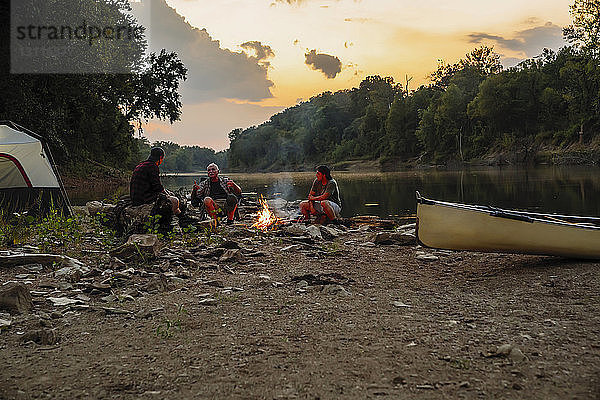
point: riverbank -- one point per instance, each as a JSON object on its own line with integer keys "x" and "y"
{"x": 239, "y": 313}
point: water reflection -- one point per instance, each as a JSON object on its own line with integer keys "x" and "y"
{"x": 568, "y": 190}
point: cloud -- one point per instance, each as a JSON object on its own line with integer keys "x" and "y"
{"x": 328, "y": 65}
{"x": 213, "y": 72}
{"x": 260, "y": 51}
{"x": 527, "y": 43}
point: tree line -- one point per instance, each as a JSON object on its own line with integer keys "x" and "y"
{"x": 183, "y": 158}
{"x": 469, "y": 110}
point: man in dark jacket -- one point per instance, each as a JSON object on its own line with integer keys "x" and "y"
{"x": 217, "y": 193}
{"x": 145, "y": 186}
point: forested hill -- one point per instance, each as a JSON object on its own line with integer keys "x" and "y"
{"x": 471, "y": 109}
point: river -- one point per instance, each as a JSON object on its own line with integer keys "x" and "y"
{"x": 566, "y": 190}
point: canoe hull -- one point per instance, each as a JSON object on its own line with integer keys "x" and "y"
{"x": 456, "y": 228}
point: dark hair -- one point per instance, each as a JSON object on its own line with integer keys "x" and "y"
{"x": 324, "y": 169}
{"x": 155, "y": 154}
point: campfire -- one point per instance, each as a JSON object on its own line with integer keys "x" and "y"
{"x": 265, "y": 220}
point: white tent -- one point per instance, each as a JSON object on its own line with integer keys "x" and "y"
{"x": 28, "y": 180}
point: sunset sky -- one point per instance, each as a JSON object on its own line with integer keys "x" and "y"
{"x": 249, "y": 59}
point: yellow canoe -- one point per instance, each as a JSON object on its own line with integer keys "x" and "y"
{"x": 453, "y": 226}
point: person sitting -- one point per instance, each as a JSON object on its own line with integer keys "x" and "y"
{"x": 216, "y": 194}
{"x": 324, "y": 198}
{"x": 145, "y": 186}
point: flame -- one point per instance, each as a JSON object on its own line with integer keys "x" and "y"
{"x": 265, "y": 219}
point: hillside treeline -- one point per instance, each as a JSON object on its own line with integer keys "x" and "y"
{"x": 471, "y": 109}
{"x": 184, "y": 158}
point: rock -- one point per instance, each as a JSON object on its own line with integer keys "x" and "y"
{"x": 211, "y": 253}
{"x": 381, "y": 238}
{"x": 5, "y": 324}
{"x": 64, "y": 286}
{"x": 133, "y": 218}
{"x": 95, "y": 207}
{"x": 277, "y": 203}
{"x": 293, "y": 247}
{"x": 15, "y": 298}
{"x": 41, "y": 336}
{"x": 294, "y": 229}
{"x": 516, "y": 355}
{"x": 71, "y": 274}
{"x": 80, "y": 210}
{"x": 427, "y": 257}
{"x": 328, "y": 232}
{"x": 158, "y": 284}
{"x": 34, "y": 267}
{"x": 335, "y": 290}
{"x": 504, "y": 350}
{"x": 400, "y": 304}
{"x": 109, "y": 299}
{"x": 102, "y": 287}
{"x": 116, "y": 311}
{"x": 144, "y": 246}
{"x": 208, "y": 302}
{"x": 314, "y": 232}
{"x": 64, "y": 301}
{"x": 56, "y": 315}
{"x": 301, "y": 284}
{"x": 367, "y": 244}
{"x": 403, "y": 238}
{"x": 399, "y": 380}
{"x": 116, "y": 264}
{"x": 82, "y": 297}
{"x": 232, "y": 255}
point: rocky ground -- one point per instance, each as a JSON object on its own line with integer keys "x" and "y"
{"x": 289, "y": 315}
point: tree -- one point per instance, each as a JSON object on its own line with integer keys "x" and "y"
{"x": 93, "y": 115}
{"x": 482, "y": 59}
{"x": 585, "y": 29}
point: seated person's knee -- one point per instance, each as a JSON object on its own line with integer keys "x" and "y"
{"x": 232, "y": 200}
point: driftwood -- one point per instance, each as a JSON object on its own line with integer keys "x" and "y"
{"x": 372, "y": 221}
{"x": 24, "y": 259}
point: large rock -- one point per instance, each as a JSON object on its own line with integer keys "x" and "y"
{"x": 294, "y": 229}
{"x": 401, "y": 238}
{"x": 405, "y": 238}
{"x": 314, "y": 232}
{"x": 15, "y": 298}
{"x": 41, "y": 336}
{"x": 144, "y": 246}
{"x": 97, "y": 207}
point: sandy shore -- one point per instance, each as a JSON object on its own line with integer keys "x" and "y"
{"x": 242, "y": 315}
